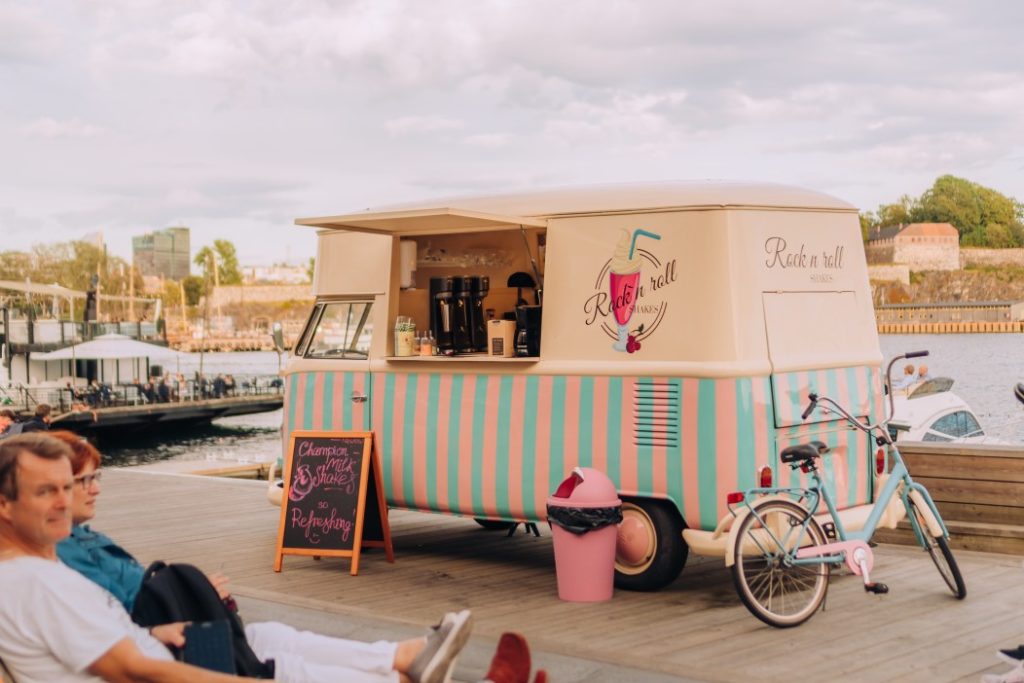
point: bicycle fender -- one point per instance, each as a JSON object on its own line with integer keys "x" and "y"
{"x": 934, "y": 526}
{"x": 734, "y": 532}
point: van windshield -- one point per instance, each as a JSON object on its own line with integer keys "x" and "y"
{"x": 340, "y": 330}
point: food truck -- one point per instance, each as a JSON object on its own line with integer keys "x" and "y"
{"x": 670, "y": 338}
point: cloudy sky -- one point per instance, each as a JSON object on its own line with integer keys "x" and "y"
{"x": 235, "y": 118}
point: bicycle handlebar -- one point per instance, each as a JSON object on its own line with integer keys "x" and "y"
{"x": 915, "y": 354}
{"x": 810, "y": 407}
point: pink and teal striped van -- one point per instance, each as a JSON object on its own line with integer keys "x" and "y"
{"x": 683, "y": 326}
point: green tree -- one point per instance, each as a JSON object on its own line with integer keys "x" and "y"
{"x": 226, "y": 258}
{"x": 897, "y": 213}
{"x": 982, "y": 216}
{"x": 311, "y": 267}
{"x": 193, "y": 285}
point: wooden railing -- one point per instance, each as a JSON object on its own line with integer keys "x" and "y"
{"x": 979, "y": 491}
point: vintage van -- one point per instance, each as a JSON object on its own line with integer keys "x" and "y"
{"x": 733, "y": 300}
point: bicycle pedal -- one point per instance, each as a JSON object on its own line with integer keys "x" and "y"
{"x": 876, "y": 588}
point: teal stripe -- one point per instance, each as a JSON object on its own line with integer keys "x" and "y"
{"x": 586, "y": 426}
{"x": 530, "y": 449}
{"x": 707, "y": 451}
{"x": 329, "y": 419}
{"x": 477, "y": 462}
{"x": 408, "y": 442}
{"x": 556, "y": 470}
{"x": 433, "y": 398}
{"x": 674, "y": 456}
{"x": 615, "y": 429}
{"x": 387, "y": 425}
{"x": 307, "y": 408}
{"x": 348, "y": 382}
{"x": 746, "y": 462}
{"x": 832, "y": 391}
{"x": 455, "y": 465}
{"x": 644, "y": 453}
{"x": 502, "y": 469}
{"x": 856, "y": 461}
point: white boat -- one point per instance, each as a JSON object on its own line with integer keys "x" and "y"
{"x": 930, "y": 411}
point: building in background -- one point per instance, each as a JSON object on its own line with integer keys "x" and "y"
{"x": 920, "y": 246}
{"x": 279, "y": 273}
{"x": 163, "y": 253}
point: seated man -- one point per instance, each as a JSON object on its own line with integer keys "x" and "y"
{"x": 56, "y": 625}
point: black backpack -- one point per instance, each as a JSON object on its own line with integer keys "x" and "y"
{"x": 180, "y": 592}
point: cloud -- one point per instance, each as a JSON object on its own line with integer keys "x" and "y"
{"x": 25, "y": 34}
{"x": 421, "y": 124}
{"x": 52, "y": 129}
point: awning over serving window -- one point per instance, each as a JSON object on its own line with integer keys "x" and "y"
{"x": 422, "y": 222}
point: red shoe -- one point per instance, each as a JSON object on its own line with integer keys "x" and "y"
{"x": 511, "y": 662}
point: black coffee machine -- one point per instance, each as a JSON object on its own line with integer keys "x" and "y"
{"x": 457, "y": 316}
{"x": 528, "y": 330}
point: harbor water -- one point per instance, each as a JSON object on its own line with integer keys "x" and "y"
{"x": 985, "y": 368}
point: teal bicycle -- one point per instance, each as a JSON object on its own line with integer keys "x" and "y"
{"x": 784, "y": 550}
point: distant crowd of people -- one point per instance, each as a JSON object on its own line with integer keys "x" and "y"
{"x": 166, "y": 389}
{"x": 11, "y": 426}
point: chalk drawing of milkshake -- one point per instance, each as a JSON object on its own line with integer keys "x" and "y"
{"x": 302, "y": 484}
{"x": 624, "y": 281}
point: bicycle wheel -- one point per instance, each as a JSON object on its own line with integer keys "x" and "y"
{"x": 943, "y": 559}
{"x": 774, "y": 590}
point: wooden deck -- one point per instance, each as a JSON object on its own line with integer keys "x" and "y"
{"x": 696, "y": 628}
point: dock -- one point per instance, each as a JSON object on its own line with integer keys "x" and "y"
{"x": 694, "y": 630}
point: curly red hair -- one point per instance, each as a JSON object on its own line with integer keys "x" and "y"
{"x": 82, "y": 452}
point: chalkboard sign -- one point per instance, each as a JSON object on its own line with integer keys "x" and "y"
{"x": 333, "y": 502}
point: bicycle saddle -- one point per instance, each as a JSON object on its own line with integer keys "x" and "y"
{"x": 804, "y": 451}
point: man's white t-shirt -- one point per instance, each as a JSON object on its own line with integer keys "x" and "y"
{"x": 54, "y": 623}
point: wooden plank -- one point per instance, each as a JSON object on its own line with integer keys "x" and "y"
{"x": 973, "y": 512}
{"x": 964, "y": 491}
{"x": 972, "y": 467}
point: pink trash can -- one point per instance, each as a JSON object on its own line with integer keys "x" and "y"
{"x": 584, "y": 513}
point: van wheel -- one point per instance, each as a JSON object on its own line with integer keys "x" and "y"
{"x": 493, "y": 524}
{"x": 650, "y": 550}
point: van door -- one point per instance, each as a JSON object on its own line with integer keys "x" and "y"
{"x": 823, "y": 342}
{"x": 328, "y": 384}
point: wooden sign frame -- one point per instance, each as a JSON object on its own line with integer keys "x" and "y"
{"x": 370, "y": 471}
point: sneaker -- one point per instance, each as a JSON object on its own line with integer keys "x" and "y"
{"x": 1015, "y": 675}
{"x": 1013, "y": 656}
{"x": 511, "y": 662}
{"x": 437, "y": 660}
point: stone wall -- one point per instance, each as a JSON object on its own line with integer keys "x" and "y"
{"x": 973, "y": 256}
{"x": 889, "y": 273}
{"x": 879, "y": 251}
{"x": 226, "y": 295}
{"x": 927, "y": 252}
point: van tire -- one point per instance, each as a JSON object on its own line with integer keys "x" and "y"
{"x": 660, "y": 563}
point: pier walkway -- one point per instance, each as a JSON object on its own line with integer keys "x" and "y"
{"x": 695, "y": 630}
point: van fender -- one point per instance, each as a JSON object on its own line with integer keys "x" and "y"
{"x": 737, "y": 522}
{"x": 935, "y": 527}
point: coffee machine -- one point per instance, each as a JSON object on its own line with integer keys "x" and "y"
{"x": 528, "y": 330}
{"x": 441, "y": 313}
{"x": 478, "y": 286}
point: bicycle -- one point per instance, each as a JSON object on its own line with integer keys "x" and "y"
{"x": 783, "y": 555}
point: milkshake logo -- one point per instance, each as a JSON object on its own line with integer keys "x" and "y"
{"x": 627, "y": 304}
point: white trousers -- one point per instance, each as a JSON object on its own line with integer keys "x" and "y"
{"x": 307, "y": 657}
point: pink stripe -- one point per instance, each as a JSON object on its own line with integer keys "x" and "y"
{"x": 515, "y": 448}
{"x": 571, "y": 429}
{"x": 465, "y": 463}
{"x": 842, "y": 462}
{"x": 490, "y": 474}
{"x": 726, "y": 446}
{"x": 627, "y": 451}
{"x": 377, "y": 422}
{"x": 444, "y": 412}
{"x": 397, "y": 432}
{"x": 358, "y": 409}
{"x": 600, "y": 427}
{"x": 419, "y": 440}
{"x": 691, "y": 479}
{"x": 761, "y": 413}
{"x": 542, "y": 461}
{"x": 659, "y": 453}
{"x": 318, "y": 401}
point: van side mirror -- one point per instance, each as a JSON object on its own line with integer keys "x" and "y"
{"x": 277, "y": 335}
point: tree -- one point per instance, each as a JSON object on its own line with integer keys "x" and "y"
{"x": 193, "y": 286}
{"x": 225, "y": 257}
{"x": 311, "y": 267}
{"x": 982, "y": 216}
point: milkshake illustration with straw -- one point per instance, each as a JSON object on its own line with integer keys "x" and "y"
{"x": 624, "y": 282}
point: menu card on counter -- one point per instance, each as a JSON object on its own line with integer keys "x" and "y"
{"x": 333, "y": 502}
